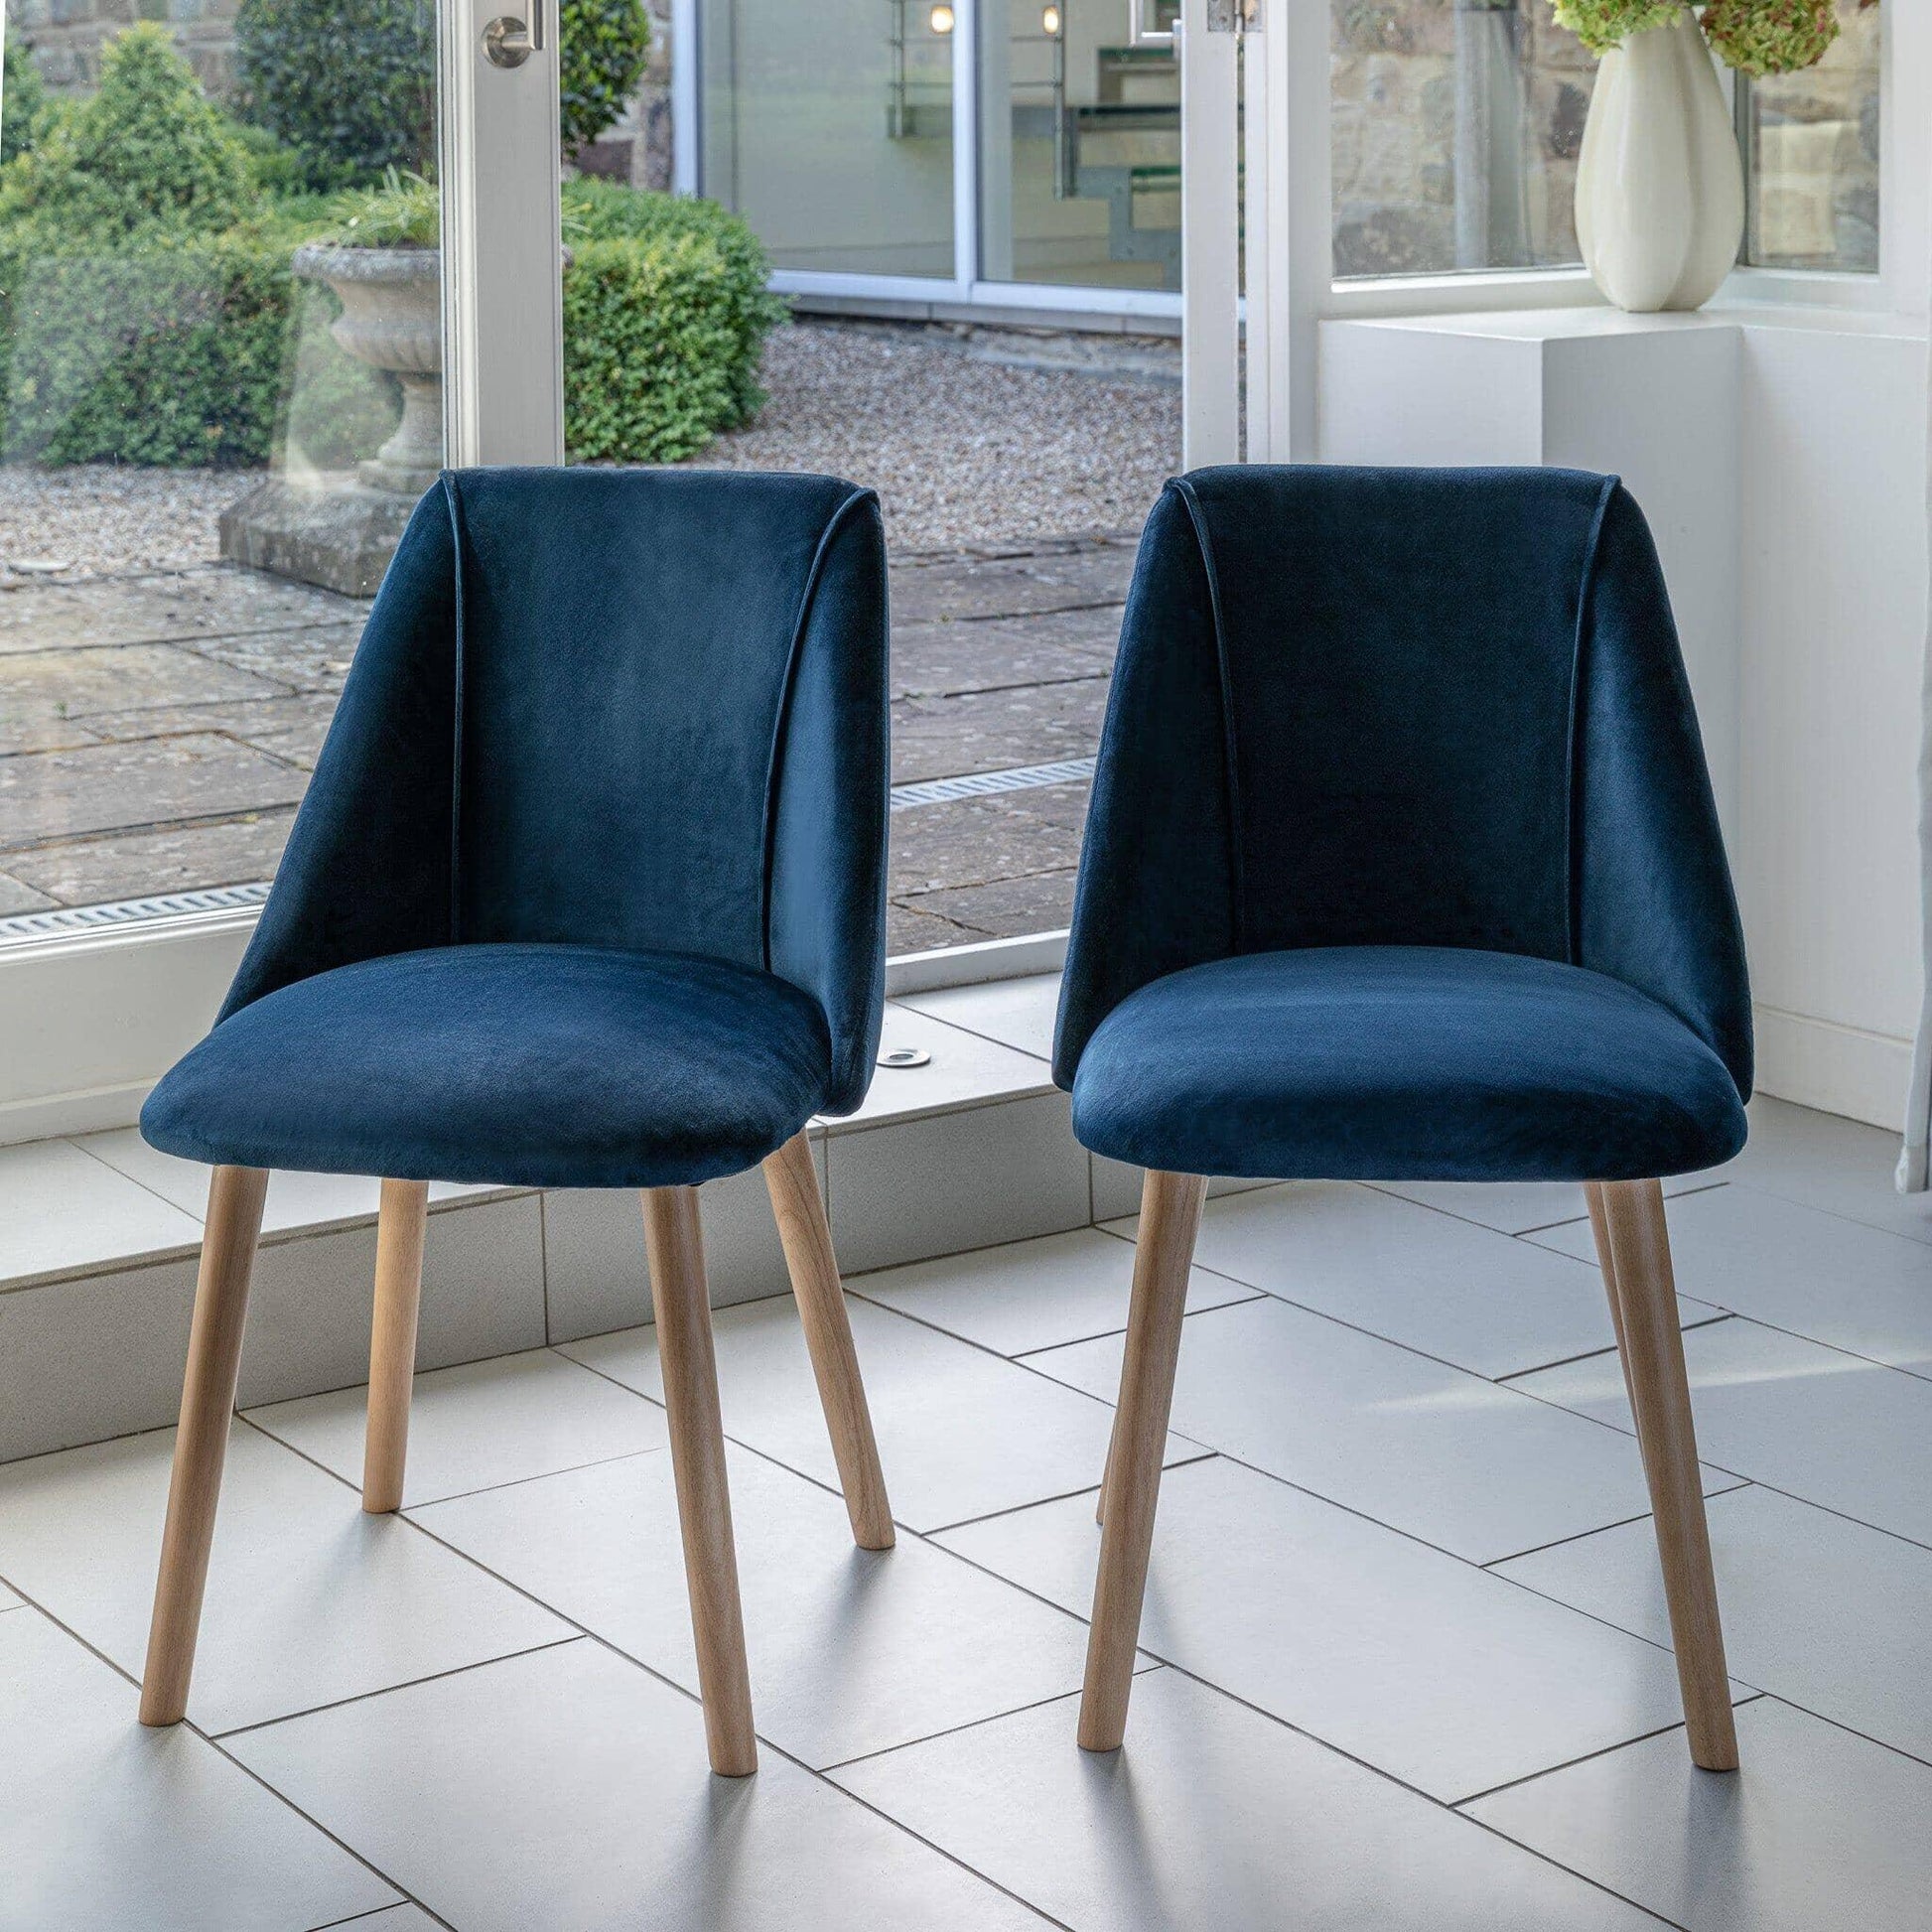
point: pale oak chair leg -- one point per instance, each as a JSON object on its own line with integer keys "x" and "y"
{"x": 234, "y": 1220}
{"x": 675, "y": 1248}
{"x": 1653, "y": 1354}
{"x": 393, "y": 1341}
{"x": 1171, "y": 1207}
{"x": 792, "y": 1179}
{"x": 1599, "y": 1228}
{"x": 1107, "y": 1472}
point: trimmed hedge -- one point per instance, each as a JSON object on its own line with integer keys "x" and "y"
{"x": 194, "y": 350}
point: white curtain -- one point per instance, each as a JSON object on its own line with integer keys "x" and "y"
{"x": 1913, "y": 1163}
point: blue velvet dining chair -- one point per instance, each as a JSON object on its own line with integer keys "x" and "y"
{"x": 1401, "y": 864}
{"x": 588, "y": 892}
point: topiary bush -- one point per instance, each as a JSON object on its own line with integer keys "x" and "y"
{"x": 723, "y": 254}
{"x": 148, "y": 150}
{"x": 349, "y": 85}
{"x": 352, "y": 86}
{"x": 602, "y": 49}
{"x": 21, "y": 96}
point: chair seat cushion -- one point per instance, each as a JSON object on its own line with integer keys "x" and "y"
{"x": 530, "y": 1066}
{"x": 1403, "y": 1064}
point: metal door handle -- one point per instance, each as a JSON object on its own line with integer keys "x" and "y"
{"x": 509, "y": 42}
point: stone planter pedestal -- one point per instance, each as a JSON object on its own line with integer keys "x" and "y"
{"x": 341, "y": 531}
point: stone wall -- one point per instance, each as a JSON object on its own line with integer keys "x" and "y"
{"x": 66, "y": 36}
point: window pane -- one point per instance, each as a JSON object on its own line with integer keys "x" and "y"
{"x": 214, "y": 424}
{"x": 1456, "y": 130}
{"x": 1812, "y": 139}
{"x": 829, "y": 127}
{"x": 1079, "y": 143}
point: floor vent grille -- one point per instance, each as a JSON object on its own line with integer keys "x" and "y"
{"x": 60, "y": 921}
{"x": 982, "y": 784}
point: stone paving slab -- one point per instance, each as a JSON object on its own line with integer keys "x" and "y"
{"x": 216, "y": 599}
{"x": 944, "y": 660}
{"x": 992, "y": 730}
{"x": 113, "y": 787}
{"x": 975, "y": 841}
{"x": 291, "y": 725}
{"x": 1005, "y": 586}
{"x": 1039, "y": 901}
{"x": 16, "y": 896}
{"x": 313, "y": 658}
{"x": 96, "y": 872}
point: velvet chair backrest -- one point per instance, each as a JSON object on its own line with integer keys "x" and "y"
{"x": 1404, "y": 707}
{"x": 635, "y": 709}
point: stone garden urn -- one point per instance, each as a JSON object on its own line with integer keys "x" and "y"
{"x": 392, "y": 319}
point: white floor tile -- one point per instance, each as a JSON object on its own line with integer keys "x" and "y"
{"x": 1838, "y": 1430}
{"x": 1464, "y": 1293}
{"x": 479, "y": 1425}
{"x": 852, "y": 1651}
{"x": 1842, "y": 1166}
{"x": 308, "y": 1599}
{"x": 954, "y": 1182}
{"x": 1820, "y": 1832}
{"x": 1824, "y": 1612}
{"x": 1213, "y": 1817}
{"x": 568, "y": 1791}
{"x": 961, "y": 1067}
{"x": 961, "y": 1433}
{"x": 1029, "y": 1295}
{"x": 309, "y": 1306}
{"x": 1517, "y": 1206}
{"x": 1798, "y": 1267}
{"x": 1440, "y": 1674}
{"x": 99, "y": 1356}
{"x": 1117, "y": 1187}
{"x": 1466, "y": 1465}
{"x": 596, "y": 1275}
{"x": 67, "y": 1213}
{"x": 1018, "y": 1013}
{"x": 106, "y": 1824}
{"x": 398, "y": 1918}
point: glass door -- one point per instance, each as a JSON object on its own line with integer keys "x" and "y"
{"x": 259, "y": 273}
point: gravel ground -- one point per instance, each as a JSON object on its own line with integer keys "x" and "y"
{"x": 962, "y": 449}
{"x": 101, "y": 519}
{"x": 970, "y": 437}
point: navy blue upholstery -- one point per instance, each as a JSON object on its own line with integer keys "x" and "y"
{"x": 589, "y": 887}
{"x": 1401, "y": 860}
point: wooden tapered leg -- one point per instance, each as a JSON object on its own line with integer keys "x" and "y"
{"x": 393, "y": 1341}
{"x": 1107, "y": 1472}
{"x": 1170, "y": 1205}
{"x": 676, "y": 1251}
{"x": 234, "y": 1221}
{"x": 1660, "y": 1394}
{"x": 795, "y": 1200}
{"x": 1599, "y": 1228}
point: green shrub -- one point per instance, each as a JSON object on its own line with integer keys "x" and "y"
{"x": 21, "y": 96}
{"x": 149, "y": 150}
{"x": 602, "y": 49}
{"x": 162, "y": 355}
{"x": 349, "y": 85}
{"x": 732, "y": 267}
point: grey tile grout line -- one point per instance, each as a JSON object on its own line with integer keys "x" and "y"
{"x": 1830, "y": 1214}
{"x": 574, "y": 1634}
{"x": 187, "y": 1724}
{"x": 358, "y": 1918}
{"x": 1592, "y": 1354}
{"x": 1588, "y": 1757}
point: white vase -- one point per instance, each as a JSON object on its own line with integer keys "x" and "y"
{"x": 1660, "y": 188}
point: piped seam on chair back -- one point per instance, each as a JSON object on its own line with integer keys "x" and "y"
{"x": 1230, "y": 775}
{"x": 1573, "y": 912}
{"x": 458, "y": 543}
{"x": 781, "y": 722}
